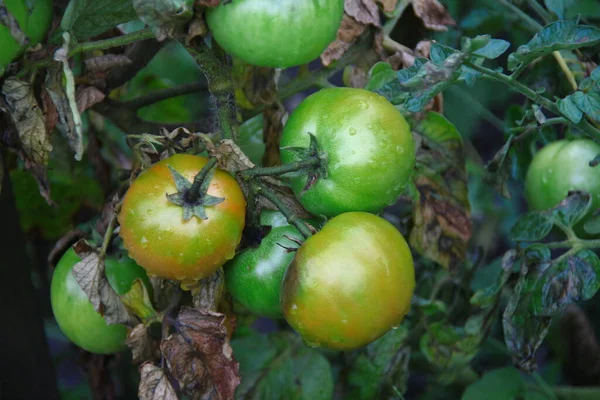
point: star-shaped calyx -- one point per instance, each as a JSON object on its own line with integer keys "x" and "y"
{"x": 311, "y": 152}
{"x": 194, "y": 197}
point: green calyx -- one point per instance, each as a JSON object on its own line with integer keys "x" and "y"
{"x": 194, "y": 197}
{"x": 312, "y": 152}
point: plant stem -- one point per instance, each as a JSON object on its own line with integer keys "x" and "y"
{"x": 479, "y": 109}
{"x": 531, "y": 23}
{"x": 390, "y": 24}
{"x": 104, "y": 44}
{"x": 539, "y": 10}
{"x": 292, "y": 218}
{"x": 281, "y": 169}
{"x": 583, "y": 125}
{"x": 163, "y": 94}
{"x": 220, "y": 86}
{"x": 108, "y": 234}
{"x": 194, "y": 192}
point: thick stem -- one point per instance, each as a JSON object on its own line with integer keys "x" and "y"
{"x": 194, "y": 193}
{"x": 109, "y": 232}
{"x": 163, "y": 94}
{"x": 220, "y": 86}
{"x": 583, "y": 125}
{"x": 292, "y": 218}
{"x": 390, "y": 24}
{"x": 281, "y": 169}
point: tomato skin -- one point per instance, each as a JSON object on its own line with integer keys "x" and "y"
{"x": 560, "y": 167}
{"x": 34, "y": 25}
{"x": 369, "y": 148}
{"x": 350, "y": 283}
{"x": 277, "y": 34}
{"x": 74, "y": 313}
{"x": 157, "y": 237}
{"x": 254, "y": 276}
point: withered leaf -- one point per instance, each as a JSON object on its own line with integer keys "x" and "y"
{"x": 164, "y": 17}
{"x": 209, "y": 292}
{"x": 27, "y": 116}
{"x": 442, "y": 226}
{"x": 350, "y": 29}
{"x": 143, "y": 348}
{"x": 364, "y": 11}
{"x": 106, "y": 62}
{"x": 433, "y": 14}
{"x": 154, "y": 384}
{"x": 274, "y": 119}
{"x": 229, "y": 156}
{"x": 50, "y": 112}
{"x": 87, "y": 96}
{"x": 200, "y": 356}
{"x": 40, "y": 173}
{"x": 89, "y": 274}
{"x": 254, "y": 86}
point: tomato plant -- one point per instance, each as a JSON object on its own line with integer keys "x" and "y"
{"x": 560, "y": 167}
{"x": 337, "y": 295}
{"x": 254, "y": 276}
{"x": 367, "y": 148}
{"x": 281, "y": 34}
{"x": 156, "y": 235}
{"x": 34, "y": 20}
{"x": 74, "y": 313}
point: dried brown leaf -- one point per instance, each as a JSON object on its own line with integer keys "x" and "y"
{"x": 229, "y": 156}
{"x": 87, "y": 97}
{"x": 106, "y": 62}
{"x": 433, "y": 14}
{"x": 143, "y": 348}
{"x": 200, "y": 356}
{"x": 350, "y": 29}
{"x": 209, "y": 292}
{"x": 364, "y": 11}
{"x": 50, "y": 112}
{"x": 274, "y": 119}
{"x": 40, "y": 173}
{"x": 27, "y": 117}
{"x": 154, "y": 384}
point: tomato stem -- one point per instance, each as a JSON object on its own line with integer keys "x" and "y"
{"x": 220, "y": 87}
{"x": 281, "y": 169}
{"x": 194, "y": 193}
{"x": 292, "y": 218}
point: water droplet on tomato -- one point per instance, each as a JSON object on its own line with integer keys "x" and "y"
{"x": 310, "y": 343}
{"x": 144, "y": 242}
{"x": 294, "y": 309}
{"x": 352, "y": 131}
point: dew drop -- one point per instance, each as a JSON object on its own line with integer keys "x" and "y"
{"x": 400, "y": 149}
{"x": 294, "y": 309}
{"x": 352, "y": 131}
{"x": 144, "y": 242}
{"x": 344, "y": 321}
{"x": 310, "y": 343}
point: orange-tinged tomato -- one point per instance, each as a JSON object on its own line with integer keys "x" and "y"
{"x": 160, "y": 240}
{"x": 350, "y": 283}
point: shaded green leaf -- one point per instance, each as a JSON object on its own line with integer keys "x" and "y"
{"x": 488, "y": 296}
{"x": 383, "y": 80}
{"x": 531, "y": 227}
{"x": 87, "y": 18}
{"x": 250, "y": 139}
{"x": 572, "y": 209}
{"x": 280, "y": 366}
{"x": 588, "y": 102}
{"x": 568, "y": 107}
{"x": 592, "y": 225}
{"x": 500, "y": 384}
{"x": 555, "y": 36}
{"x": 375, "y": 365}
{"x": 558, "y": 7}
{"x": 493, "y": 49}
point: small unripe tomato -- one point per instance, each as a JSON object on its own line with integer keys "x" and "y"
{"x": 34, "y": 23}
{"x": 560, "y": 167}
{"x": 160, "y": 240}
{"x": 350, "y": 283}
{"x": 254, "y": 276}
{"x": 367, "y": 145}
{"x": 74, "y": 313}
{"x": 277, "y": 34}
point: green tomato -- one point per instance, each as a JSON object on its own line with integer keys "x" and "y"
{"x": 350, "y": 283}
{"x": 34, "y": 23}
{"x": 277, "y": 34}
{"x": 368, "y": 146}
{"x": 74, "y": 313}
{"x": 254, "y": 276}
{"x": 560, "y": 167}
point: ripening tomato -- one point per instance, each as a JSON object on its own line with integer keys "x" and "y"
{"x": 368, "y": 147}
{"x": 34, "y": 23}
{"x": 560, "y": 167}
{"x": 254, "y": 276}
{"x": 160, "y": 240}
{"x": 277, "y": 34}
{"x": 350, "y": 283}
{"x": 74, "y": 313}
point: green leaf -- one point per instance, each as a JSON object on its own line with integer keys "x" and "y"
{"x": 383, "y": 80}
{"x": 494, "y": 49}
{"x": 280, "y": 366}
{"x": 531, "y": 227}
{"x": 572, "y": 209}
{"x": 588, "y": 102}
{"x": 430, "y": 307}
{"x": 500, "y": 384}
{"x": 374, "y": 366}
{"x": 559, "y": 7}
{"x": 86, "y": 18}
{"x": 487, "y": 297}
{"x": 555, "y": 36}
{"x": 568, "y": 107}
{"x": 250, "y": 139}
{"x": 574, "y": 278}
{"x": 592, "y": 225}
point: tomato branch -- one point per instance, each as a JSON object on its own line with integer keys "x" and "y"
{"x": 281, "y": 169}
{"x": 292, "y": 218}
{"x": 534, "y": 96}
{"x": 220, "y": 86}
